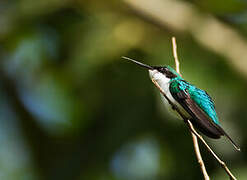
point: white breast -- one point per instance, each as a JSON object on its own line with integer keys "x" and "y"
{"x": 164, "y": 83}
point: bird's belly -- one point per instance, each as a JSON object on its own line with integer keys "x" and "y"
{"x": 169, "y": 107}
{"x": 164, "y": 84}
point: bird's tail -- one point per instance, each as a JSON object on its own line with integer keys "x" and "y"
{"x": 233, "y": 143}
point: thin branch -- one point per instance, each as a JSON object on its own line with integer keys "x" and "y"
{"x": 194, "y": 138}
{"x": 174, "y": 50}
{"x": 199, "y": 157}
{"x": 222, "y": 163}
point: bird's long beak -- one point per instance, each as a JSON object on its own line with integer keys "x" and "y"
{"x": 138, "y": 63}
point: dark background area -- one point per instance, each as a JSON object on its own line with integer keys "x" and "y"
{"x": 71, "y": 108}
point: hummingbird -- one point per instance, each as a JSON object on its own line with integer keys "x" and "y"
{"x": 195, "y": 104}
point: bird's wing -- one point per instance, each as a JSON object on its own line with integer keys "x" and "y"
{"x": 199, "y": 118}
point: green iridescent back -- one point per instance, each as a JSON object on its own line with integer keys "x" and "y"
{"x": 199, "y": 96}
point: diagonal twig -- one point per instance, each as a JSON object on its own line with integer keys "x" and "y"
{"x": 222, "y": 163}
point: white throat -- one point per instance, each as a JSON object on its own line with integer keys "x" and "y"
{"x": 161, "y": 79}
{"x": 164, "y": 83}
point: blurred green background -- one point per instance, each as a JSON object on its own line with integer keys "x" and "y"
{"x": 71, "y": 108}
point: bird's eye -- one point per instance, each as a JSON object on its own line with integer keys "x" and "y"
{"x": 162, "y": 69}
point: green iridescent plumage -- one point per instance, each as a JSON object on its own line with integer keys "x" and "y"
{"x": 199, "y": 96}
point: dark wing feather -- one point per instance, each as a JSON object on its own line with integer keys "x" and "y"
{"x": 199, "y": 118}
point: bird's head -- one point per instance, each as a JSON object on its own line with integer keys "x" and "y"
{"x": 158, "y": 73}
